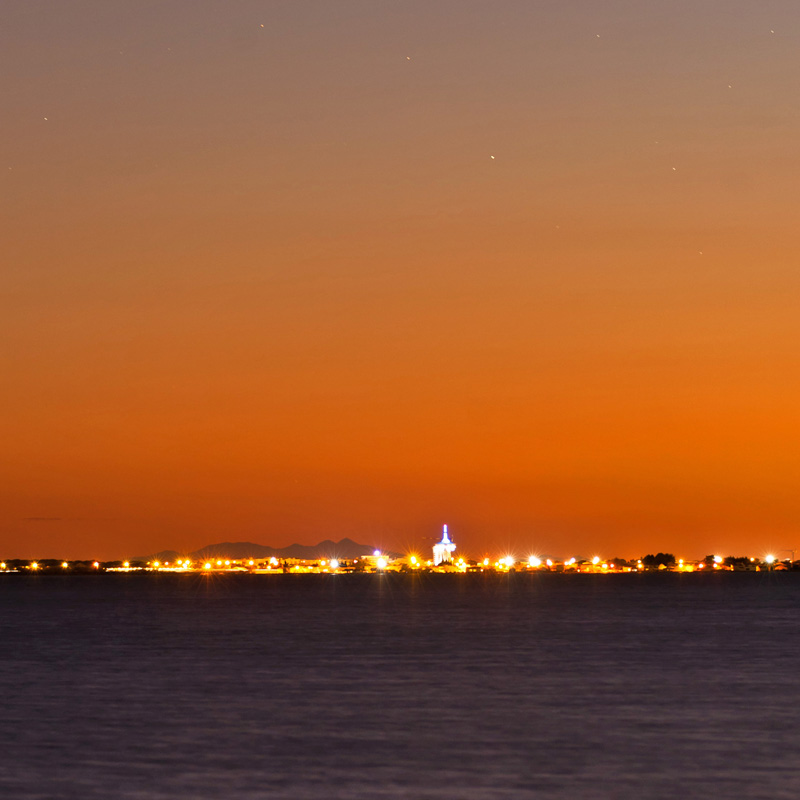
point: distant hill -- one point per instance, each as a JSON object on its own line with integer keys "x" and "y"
{"x": 346, "y": 548}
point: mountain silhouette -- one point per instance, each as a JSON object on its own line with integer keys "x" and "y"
{"x": 345, "y": 548}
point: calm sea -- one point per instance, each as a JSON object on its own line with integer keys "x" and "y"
{"x": 370, "y": 686}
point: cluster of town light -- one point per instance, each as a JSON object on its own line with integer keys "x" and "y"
{"x": 442, "y": 559}
{"x": 381, "y": 562}
{"x": 186, "y": 564}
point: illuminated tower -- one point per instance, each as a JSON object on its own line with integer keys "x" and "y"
{"x": 443, "y": 551}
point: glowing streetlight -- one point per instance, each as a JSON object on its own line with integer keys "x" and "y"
{"x": 534, "y": 562}
{"x": 334, "y": 563}
{"x": 770, "y": 559}
{"x": 207, "y": 565}
{"x": 35, "y": 565}
{"x": 596, "y": 560}
{"x": 64, "y": 565}
{"x": 381, "y": 563}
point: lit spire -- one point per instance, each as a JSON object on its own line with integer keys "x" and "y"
{"x": 443, "y": 551}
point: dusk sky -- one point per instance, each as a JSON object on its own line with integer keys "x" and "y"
{"x": 289, "y": 271}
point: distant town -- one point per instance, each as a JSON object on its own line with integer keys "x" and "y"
{"x": 443, "y": 558}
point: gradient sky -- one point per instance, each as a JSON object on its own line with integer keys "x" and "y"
{"x": 288, "y": 271}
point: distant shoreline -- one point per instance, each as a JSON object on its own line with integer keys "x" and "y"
{"x": 351, "y": 575}
{"x": 382, "y": 562}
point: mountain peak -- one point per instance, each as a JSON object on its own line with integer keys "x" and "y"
{"x": 345, "y": 548}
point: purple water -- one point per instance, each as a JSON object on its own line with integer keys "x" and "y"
{"x": 390, "y": 686}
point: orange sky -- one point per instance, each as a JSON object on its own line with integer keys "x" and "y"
{"x": 269, "y": 284}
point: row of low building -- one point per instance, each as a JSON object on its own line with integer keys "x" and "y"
{"x": 386, "y": 563}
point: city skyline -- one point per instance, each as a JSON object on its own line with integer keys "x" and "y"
{"x": 293, "y": 271}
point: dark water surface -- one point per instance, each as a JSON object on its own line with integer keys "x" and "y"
{"x": 369, "y": 686}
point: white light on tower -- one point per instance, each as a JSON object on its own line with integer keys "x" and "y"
{"x": 443, "y": 551}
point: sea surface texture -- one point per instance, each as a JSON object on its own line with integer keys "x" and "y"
{"x": 392, "y": 686}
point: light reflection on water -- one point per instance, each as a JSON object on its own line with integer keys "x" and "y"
{"x": 445, "y": 686}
